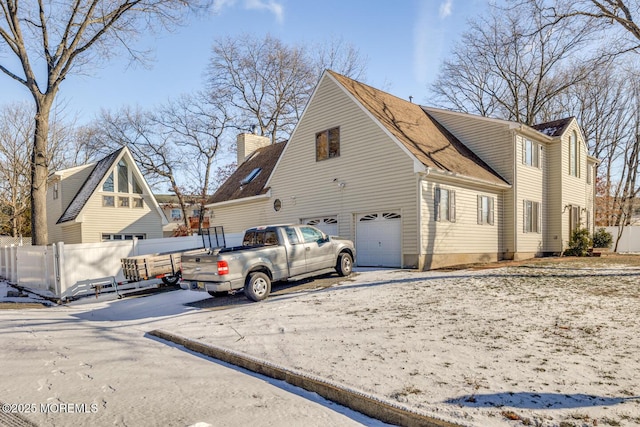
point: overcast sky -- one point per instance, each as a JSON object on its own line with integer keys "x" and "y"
{"x": 404, "y": 42}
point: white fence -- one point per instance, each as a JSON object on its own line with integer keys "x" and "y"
{"x": 67, "y": 270}
{"x": 630, "y": 239}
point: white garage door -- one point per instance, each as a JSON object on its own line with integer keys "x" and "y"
{"x": 328, "y": 224}
{"x": 378, "y": 239}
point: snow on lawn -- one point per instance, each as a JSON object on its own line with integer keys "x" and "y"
{"x": 543, "y": 344}
{"x": 535, "y": 345}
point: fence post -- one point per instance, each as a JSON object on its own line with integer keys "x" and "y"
{"x": 58, "y": 257}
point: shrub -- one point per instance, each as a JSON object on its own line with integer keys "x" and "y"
{"x": 602, "y": 238}
{"x": 579, "y": 243}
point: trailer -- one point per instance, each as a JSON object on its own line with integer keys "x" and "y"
{"x": 166, "y": 266}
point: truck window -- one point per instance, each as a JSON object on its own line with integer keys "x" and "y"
{"x": 249, "y": 238}
{"x": 292, "y": 235}
{"x": 270, "y": 238}
{"x": 260, "y": 238}
{"x": 310, "y": 235}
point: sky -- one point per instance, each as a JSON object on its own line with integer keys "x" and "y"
{"x": 403, "y": 42}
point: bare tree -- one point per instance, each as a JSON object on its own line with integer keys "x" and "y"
{"x": 506, "y": 67}
{"x": 49, "y": 41}
{"x": 198, "y": 124}
{"x": 16, "y": 128}
{"x": 269, "y": 82}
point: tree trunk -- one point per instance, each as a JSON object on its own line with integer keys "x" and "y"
{"x": 39, "y": 172}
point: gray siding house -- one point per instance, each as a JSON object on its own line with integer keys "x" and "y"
{"x": 413, "y": 186}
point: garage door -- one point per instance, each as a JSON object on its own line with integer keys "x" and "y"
{"x": 328, "y": 224}
{"x": 378, "y": 239}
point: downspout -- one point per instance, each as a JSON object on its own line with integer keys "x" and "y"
{"x": 515, "y": 193}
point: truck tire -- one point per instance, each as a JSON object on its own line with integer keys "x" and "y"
{"x": 258, "y": 286}
{"x": 171, "y": 280}
{"x": 344, "y": 266}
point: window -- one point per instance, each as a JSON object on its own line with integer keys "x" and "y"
{"x": 176, "y": 214}
{"x": 108, "y": 201}
{"x": 123, "y": 177}
{"x": 310, "y": 235}
{"x": 108, "y": 183}
{"x": 138, "y": 202}
{"x": 107, "y": 237}
{"x": 574, "y": 169}
{"x": 123, "y": 202}
{"x": 137, "y": 188}
{"x": 292, "y": 235}
{"x": 328, "y": 144}
{"x": 531, "y": 217}
{"x": 55, "y": 190}
{"x": 531, "y": 153}
{"x": 574, "y": 218}
{"x": 247, "y": 179}
{"x": 485, "y": 210}
{"x": 445, "y": 205}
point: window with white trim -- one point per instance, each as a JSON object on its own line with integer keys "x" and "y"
{"x": 574, "y": 218}
{"x": 328, "y": 144}
{"x": 485, "y": 210}
{"x": 574, "y": 158}
{"x": 445, "y": 205}
{"x": 531, "y": 153}
{"x": 532, "y": 217}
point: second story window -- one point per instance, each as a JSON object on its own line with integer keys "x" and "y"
{"x": 574, "y": 169}
{"x": 531, "y": 153}
{"x": 328, "y": 144}
{"x": 123, "y": 177}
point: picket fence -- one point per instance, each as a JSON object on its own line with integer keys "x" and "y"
{"x": 64, "y": 271}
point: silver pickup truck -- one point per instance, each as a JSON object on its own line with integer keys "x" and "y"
{"x": 268, "y": 254}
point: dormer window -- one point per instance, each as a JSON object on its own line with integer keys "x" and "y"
{"x": 252, "y": 175}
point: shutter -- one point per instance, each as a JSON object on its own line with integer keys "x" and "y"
{"x": 490, "y": 210}
{"x": 539, "y": 217}
{"x": 436, "y": 205}
{"x": 525, "y": 216}
{"x": 479, "y": 209}
{"x": 524, "y": 151}
{"x": 452, "y": 206}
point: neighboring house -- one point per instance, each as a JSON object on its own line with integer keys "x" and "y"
{"x": 172, "y": 211}
{"x": 413, "y": 186}
{"x": 106, "y": 200}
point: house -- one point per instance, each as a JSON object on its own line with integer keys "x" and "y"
{"x": 413, "y": 186}
{"x": 106, "y": 200}
{"x": 173, "y": 212}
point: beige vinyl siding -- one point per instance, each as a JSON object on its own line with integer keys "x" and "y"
{"x": 237, "y": 217}
{"x": 377, "y": 174}
{"x": 97, "y": 219}
{"x": 575, "y": 189}
{"x": 72, "y": 233}
{"x": 465, "y": 235}
{"x": 554, "y": 196}
{"x": 531, "y": 187}
{"x": 54, "y": 211}
{"x": 493, "y": 141}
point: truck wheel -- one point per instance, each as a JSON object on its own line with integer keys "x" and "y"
{"x": 345, "y": 264}
{"x": 219, "y": 294}
{"x": 171, "y": 280}
{"x": 257, "y": 287}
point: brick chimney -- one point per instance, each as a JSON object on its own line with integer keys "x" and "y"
{"x": 248, "y": 143}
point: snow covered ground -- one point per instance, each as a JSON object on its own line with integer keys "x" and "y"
{"x": 544, "y": 343}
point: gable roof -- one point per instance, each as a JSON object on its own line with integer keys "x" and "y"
{"x": 265, "y": 160}
{"x": 553, "y": 128}
{"x": 419, "y": 132}
{"x": 100, "y": 170}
